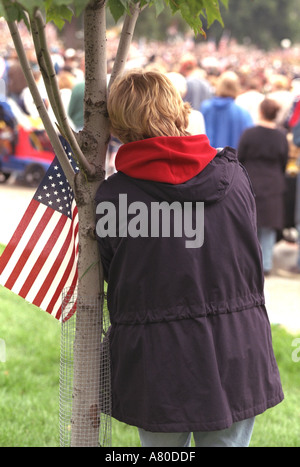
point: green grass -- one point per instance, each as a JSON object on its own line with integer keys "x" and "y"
{"x": 280, "y": 426}
{"x": 29, "y": 384}
{"x": 29, "y": 377}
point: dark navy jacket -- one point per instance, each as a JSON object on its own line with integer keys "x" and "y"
{"x": 190, "y": 340}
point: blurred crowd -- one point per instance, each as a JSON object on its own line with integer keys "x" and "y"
{"x": 232, "y": 88}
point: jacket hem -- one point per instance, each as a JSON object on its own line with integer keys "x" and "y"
{"x": 183, "y": 427}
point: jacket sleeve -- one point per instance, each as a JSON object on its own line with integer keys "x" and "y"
{"x": 104, "y": 244}
{"x": 242, "y": 147}
{"x": 106, "y": 255}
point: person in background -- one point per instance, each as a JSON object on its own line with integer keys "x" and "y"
{"x": 281, "y": 92}
{"x": 76, "y": 106}
{"x": 16, "y": 81}
{"x": 190, "y": 339}
{"x": 198, "y": 87}
{"x": 251, "y": 97}
{"x": 225, "y": 121}
{"x": 294, "y": 126}
{"x": 263, "y": 150}
{"x": 296, "y": 268}
{"x": 196, "y": 121}
{"x": 28, "y": 104}
{"x": 66, "y": 82}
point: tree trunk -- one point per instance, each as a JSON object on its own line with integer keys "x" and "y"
{"x": 89, "y": 314}
{"x": 86, "y": 409}
{"x": 90, "y": 375}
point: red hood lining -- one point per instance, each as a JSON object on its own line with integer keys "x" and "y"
{"x": 167, "y": 159}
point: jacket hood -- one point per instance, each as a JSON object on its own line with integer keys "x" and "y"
{"x": 167, "y": 159}
{"x": 178, "y": 168}
{"x": 221, "y": 102}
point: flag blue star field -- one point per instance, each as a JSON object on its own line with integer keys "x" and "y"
{"x": 40, "y": 260}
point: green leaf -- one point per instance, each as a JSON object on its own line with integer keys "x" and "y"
{"x": 117, "y": 9}
{"x": 59, "y": 15}
{"x": 159, "y": 6}
{"x": 13, "y": 12}
{"x": 192, "y": 10}
{"x": 57, "y": 3}
{"x": 60, "y": 11}
{"x": 57, "y": 10}
{"x": 77, "y": 5}
{"x": 212, "y": 12}
{"x": 31, "y": 5}
{"x": 80, "y": 5}
{"x": 225, "y": 3}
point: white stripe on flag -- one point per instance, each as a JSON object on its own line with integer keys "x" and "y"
{"x": 48, "y": 263}
{"x": 58, "y": 304}
{"x": 22, "y": 244}
{"x": 63, "y": 266}
{"x": 53, "y": 287}
{"x": 34, "y": 255}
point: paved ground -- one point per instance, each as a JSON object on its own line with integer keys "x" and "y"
{"x": 282, "y": 289}
{"x": 13, "y": 203}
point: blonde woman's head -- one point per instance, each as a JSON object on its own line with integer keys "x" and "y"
{"x": 145, "y": 104}
{"x": 228, "y": 85}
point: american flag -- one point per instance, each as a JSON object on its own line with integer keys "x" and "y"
{"x": 40, "y": 260}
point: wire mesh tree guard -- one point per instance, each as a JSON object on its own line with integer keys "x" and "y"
{"x": 84, "y": 389}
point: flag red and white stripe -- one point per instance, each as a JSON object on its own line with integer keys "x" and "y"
{"x": 40, "y": 261}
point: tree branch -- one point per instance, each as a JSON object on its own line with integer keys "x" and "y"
{"x": 125, "y": 42}
{"x": 49, "y": 77}
{"x": 95, "y": 134}
{"x": 95, "y": 57}
{"x": 55, "y": 141}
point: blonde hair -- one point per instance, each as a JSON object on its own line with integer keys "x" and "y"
{"x": 145, "y": 104}
{"x": 65, "y": 80}
{"x": 228, "y": 85}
